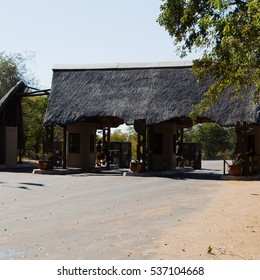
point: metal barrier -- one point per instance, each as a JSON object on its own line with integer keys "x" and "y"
{"x": 225, "y": 163}
{"x": 251, "y": 165}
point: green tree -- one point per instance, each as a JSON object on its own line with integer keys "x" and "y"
{"x": 13, "y": 69}
{"x": 119, "y": 136}
{"x": 215, "y": 140}
{"x": 129, "y": 136}
{"x": 34, "y": 110}
{"x": 132, "y": 137}
{"x": 228, "y": 32}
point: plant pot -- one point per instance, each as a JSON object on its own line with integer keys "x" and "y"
{"x": 45, "y": 164}
{"x": 235, "y": 170}
{"x": 140, "y": 167}
{"x": 137, "y": 166}
{"x": 133, "y": 166}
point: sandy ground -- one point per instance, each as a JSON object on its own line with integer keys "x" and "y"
{"x": 118, "y": 217}
{"x": 229, "y": 228}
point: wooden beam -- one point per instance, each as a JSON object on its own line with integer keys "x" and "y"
{"x": 64, "y": 148}
{"x": 140, "y": 128}
{"x": 35, "y": 93}
{"x": 150, "y": 147}
{"x": 106, "y": 145}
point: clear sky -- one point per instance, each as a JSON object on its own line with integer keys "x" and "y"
{"x": 83, "y": 32}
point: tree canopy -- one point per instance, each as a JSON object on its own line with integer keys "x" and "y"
{"x": 215, "y": 140}
{"x": 128, "y": 136}
{"x": 13, "y": 69}
{"x": 228, "y": 33}
{"x": 34, "y": 109}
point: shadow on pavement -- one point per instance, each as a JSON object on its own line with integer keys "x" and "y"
{"x": 20, "y": 168}
{"x": 196, "y": 176}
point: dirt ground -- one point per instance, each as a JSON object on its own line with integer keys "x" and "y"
{"x": 229, "y": 228}
{"x": 118, "y": 217}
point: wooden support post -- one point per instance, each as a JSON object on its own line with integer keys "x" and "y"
{"x": 150, "y": 148}
{"x": 2, "y": 141}
{"x": 20, "y": 125}
{"x": 241, "y": 145}
{"x": 3, "y": 156}
{"x": 108, "y": 148}
{"x": 106, "y": 145}
{"x": 139, "y": 144}
{"x": 64, "y": 148}
{"x": 140, "y": 128}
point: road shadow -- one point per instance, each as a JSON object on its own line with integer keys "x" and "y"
{"x": 26, "y": 186}
{"x": 32, "y": 184}
{"x": 19, "y": 169}
{"x": 196, "y": 175}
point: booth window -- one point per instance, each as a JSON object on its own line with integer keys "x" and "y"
{"x": 74, "y": 142}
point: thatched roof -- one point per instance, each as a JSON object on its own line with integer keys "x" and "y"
{"x": 10, "y": 106}
{"x": 156, "y": 92}
{"x": 11, "y": 94}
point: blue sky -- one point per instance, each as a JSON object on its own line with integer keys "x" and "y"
{"x": 84, "y": 31}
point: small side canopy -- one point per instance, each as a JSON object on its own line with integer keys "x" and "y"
{"x": 11, "y": 116}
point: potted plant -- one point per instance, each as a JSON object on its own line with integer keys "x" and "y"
{"x": 136, "y": 166}
{"x": 140, "y": 166}
{"x": 46, "y": 162}
{"x": 236, "y": 168}
{"x": 133, "y": 165}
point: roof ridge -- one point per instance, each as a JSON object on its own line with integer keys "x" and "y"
{"x": 165, "y": 64}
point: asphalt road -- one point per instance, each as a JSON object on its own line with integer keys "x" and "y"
{"x": 96, "y": 217}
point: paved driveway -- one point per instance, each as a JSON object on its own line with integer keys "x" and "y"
{"x": 94, "y": 217}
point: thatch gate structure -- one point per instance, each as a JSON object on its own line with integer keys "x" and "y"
{"x": 11, "y": 125}
{"x": 156, "y": 97}
{"x": 12, "y": 140}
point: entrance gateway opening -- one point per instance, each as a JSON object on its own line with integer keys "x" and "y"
{"x": 87, "y": 144}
